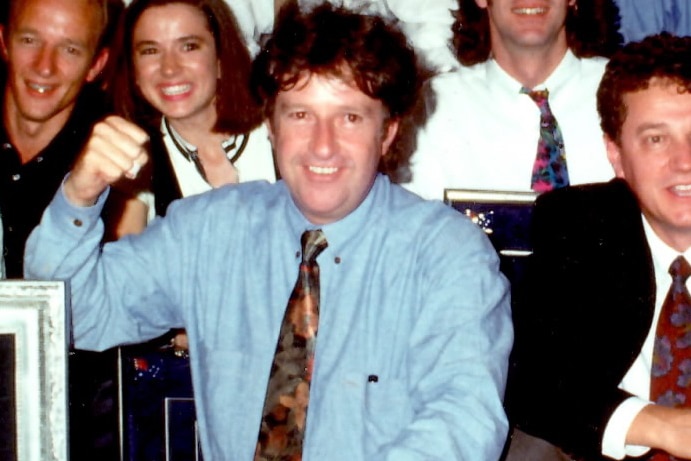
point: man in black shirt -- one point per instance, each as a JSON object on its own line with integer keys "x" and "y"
{"x": 52, "y": 51}
{"x": 53, "y": 54}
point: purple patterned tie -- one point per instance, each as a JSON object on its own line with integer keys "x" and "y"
{"x": 670, "y": 383}
{"x": 549, "y": 169}
{"x": 287, "y": 395}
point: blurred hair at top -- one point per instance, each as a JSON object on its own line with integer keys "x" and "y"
{"x": 236, "y": 108}
{"x": 592, "y": 29}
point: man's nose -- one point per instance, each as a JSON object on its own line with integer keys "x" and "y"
{"x": 323, "y": 138}
{"x": 45, "y": 62}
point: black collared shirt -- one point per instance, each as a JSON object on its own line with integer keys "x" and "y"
{"x": 26, "y": 190}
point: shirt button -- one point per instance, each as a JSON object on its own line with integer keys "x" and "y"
{"x": 16, "y": 177}
{"x": 77, "y": 222}
{"x": 337, "y": 260}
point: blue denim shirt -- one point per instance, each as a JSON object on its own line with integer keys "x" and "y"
{"x": 410, "y": 292}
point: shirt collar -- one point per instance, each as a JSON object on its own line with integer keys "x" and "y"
{"x": 230, "y": 145}
{"x": 663, "y": 254}
{"x": 498, "y": 78}
{"x": 345, "y": 230}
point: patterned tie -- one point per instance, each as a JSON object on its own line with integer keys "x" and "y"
{"x": 670, "y": 383}
{"x": 549, "y": 169}
{"x": 287, "y": 395}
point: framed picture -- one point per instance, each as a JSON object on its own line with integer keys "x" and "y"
{"x": 158, "y": 415}
{"x": 504, "y": 216}
{"x": 33, "y": 371}
{"x": 181, "y": 431}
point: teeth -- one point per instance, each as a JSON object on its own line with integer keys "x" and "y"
{"x": 530, "y": 11}
{"x": 175, "y": 90}
{"x": 40, "y": 88}
{"x": 683, "y": 188}
{"x": 323, "y": 169}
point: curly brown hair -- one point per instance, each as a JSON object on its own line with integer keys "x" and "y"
{"x": 662, "y": 57}
{"x": 237, "y": 110}
{"x": 592, "y": 29}
{"x": 335, "y": 41}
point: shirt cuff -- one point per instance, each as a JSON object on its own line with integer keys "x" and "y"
{"x": 62, "y": 201}
{"x": 614, "y": 438}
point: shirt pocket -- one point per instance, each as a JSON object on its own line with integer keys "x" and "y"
{"x": 388, "y": 410}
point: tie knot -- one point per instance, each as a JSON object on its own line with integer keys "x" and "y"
{"x": 539, "y": 96}
{"x": 313, "y": 243}
{"x": 680, "y": 269}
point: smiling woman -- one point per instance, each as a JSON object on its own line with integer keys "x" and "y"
{"x": 173, "y": 54}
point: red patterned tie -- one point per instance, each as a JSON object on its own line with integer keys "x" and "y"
{"x": 287, "y": 396}
{"x": 670, "y": 383}
{"x": 549, "y": 169}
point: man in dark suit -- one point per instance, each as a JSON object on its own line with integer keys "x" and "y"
{"x": 585, "y": 335}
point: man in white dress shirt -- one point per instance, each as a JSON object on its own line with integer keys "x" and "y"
{"x": 482, "y": 132}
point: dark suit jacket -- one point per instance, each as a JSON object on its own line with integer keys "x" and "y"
{"x": 588, "y": 307}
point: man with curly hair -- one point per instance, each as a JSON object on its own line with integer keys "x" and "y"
{"x": 483, "y": 129}
{"x": 601, "y": 362}
{"x": 414, "y": 326}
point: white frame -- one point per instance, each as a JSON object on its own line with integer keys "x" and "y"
{"x": 488, "y": 196}
{"x": 35, "y": 313}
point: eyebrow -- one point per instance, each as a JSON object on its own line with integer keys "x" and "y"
{"x": 365, "y": 109}
{"x": 184, "y": 38}
{"x": 66, "y": 40}
{"x": 650, "y": 126}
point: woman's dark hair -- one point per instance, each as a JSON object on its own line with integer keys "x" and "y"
{"x": 236, "y": 108}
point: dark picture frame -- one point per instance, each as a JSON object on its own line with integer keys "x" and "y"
{"x": 506, "y": 219}
{"x": 504, "y": 216}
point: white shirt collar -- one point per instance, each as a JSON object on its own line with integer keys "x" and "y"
{"x": 499, "y": 78}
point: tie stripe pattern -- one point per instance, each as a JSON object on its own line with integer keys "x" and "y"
{"x": 287, "y": 397}
{"x": 549, "y": 170}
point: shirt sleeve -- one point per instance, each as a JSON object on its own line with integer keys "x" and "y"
{"x": 62, "y": 228}
{"x": 435, "y": 141}
{"x": 614, "y": 438}
{"x": 458, "y": 351}
{"x": 109, "y": 281}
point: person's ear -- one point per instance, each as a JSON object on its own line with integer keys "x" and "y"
{"x": 98, "y": 64}
{"x": 614, "y": 156}
{"x": 270, "y": 130}
{"x": 3, "y": 44}
{"x": 390, "y": 132}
